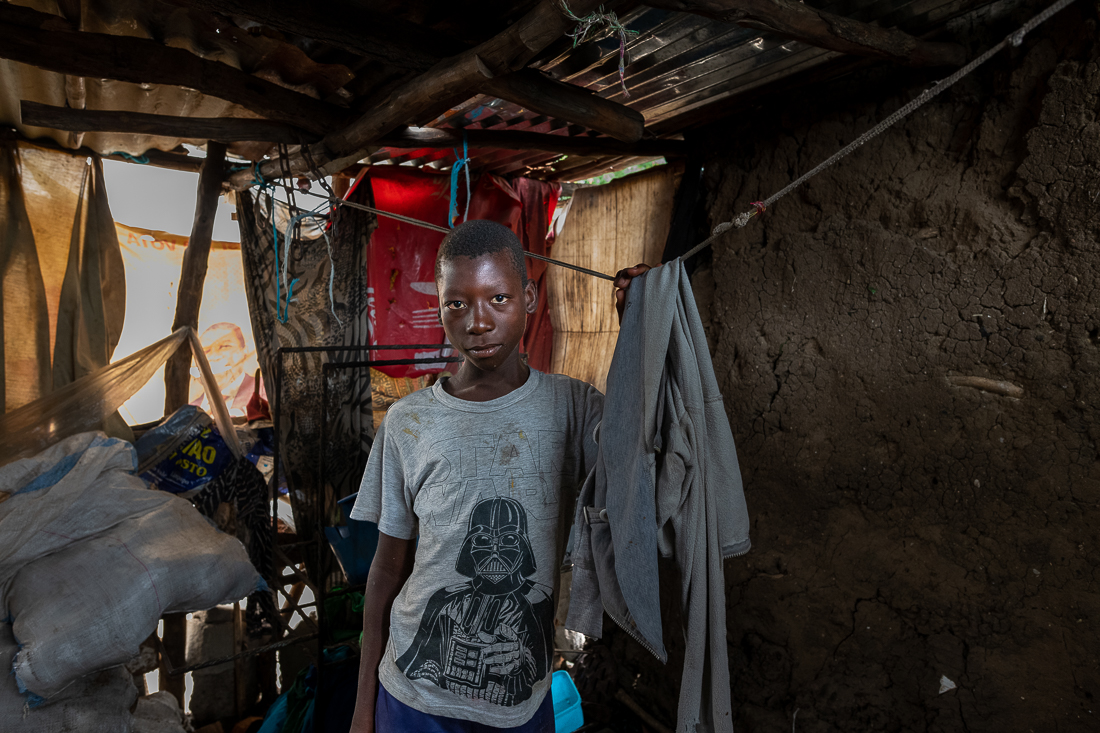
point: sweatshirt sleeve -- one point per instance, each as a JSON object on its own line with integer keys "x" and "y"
{"x": 593, "y": 416}
{"x": 382, "y": 497}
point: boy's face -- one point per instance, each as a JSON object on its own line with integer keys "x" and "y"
{"x": 484, "y": 306}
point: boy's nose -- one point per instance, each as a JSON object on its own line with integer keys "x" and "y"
{"x": 480, "y": 321}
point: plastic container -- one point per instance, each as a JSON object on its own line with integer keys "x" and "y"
{"x": 567, "y": 703}
{"x": 354, "y": 544}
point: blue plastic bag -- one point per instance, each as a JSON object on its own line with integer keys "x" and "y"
{"x": 183, "y": 453}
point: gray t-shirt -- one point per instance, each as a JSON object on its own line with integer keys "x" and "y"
{"x": 489, "y": 488}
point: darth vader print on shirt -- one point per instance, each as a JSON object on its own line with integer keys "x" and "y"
{"x": 489, "y": 638}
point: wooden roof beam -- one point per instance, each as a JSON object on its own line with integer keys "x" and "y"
{"x": 509, "y": 51}
{"x": 155, "y": 158}
{"x": 798, "y": 21}
{"x": 534, "y": 90}
{"x": 430, "y": 137}
{"x": 50, "y": 42}
{"x": 397, "y": 42}
{"x": 378, "y": 36}
{"x": 221, "y": 129}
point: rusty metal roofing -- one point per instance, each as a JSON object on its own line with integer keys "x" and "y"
{"x": 683, "y": 70}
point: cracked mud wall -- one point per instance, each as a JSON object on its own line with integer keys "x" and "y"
{"x": 911, "y": 518}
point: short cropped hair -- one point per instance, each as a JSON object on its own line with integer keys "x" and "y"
{"x": 480, "y": 237}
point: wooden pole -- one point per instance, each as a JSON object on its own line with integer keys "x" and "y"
{"x": 231, "y": 129}
{"x": 155, "y": 158}
{"x": 222, "y": 129}
{"x": 532, "y": 90}
{"x": 177, "y": 376}
{"x": 174, "y": 642}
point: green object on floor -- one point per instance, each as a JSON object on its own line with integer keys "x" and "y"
{"x": 344, "y": 614}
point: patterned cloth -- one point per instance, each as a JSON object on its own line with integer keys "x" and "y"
{"x": 242, "y": 485}
{"x": 313, "y": 433}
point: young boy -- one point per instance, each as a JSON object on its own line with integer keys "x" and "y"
{"x": 472, "y": 484}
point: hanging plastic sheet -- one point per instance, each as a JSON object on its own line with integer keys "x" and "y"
{"x": 62, "y": 285}
{"x": 85, "y": 404}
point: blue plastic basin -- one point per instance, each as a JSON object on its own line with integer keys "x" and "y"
{"x": 567, "y": 703}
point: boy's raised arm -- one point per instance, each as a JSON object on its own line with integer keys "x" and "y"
{"x": 392, "y": 566}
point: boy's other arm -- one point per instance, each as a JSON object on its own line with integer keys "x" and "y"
{"x": 622, "y": 283}
{"x": 392, "y": 566}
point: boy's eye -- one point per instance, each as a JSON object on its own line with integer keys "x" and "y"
{"x": 498, "y": 299}
{"x": 452, "y": 305}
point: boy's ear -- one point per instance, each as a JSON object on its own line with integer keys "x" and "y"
{"x": 531, "y": 296}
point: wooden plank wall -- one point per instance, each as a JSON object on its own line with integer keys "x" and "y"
{"x": 609, "y": 227}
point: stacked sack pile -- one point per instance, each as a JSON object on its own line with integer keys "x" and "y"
{"x": 90, "y": 559}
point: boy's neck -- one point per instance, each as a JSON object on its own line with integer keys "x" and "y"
{"x": 476, "y": 385}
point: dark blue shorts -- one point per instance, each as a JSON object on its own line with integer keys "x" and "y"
{"x": 393, "y": 716}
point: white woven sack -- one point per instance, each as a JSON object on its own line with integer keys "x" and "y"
{"x": 74, "y": 489}
{"x": 158, "y": 713}
{"x": 91, "y": 605}
{"x": 98, "y": 703}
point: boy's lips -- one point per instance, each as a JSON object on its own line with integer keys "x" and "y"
{"x": 483, "y": 351}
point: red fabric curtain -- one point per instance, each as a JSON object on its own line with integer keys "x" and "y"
{"x": 537, "y": 203}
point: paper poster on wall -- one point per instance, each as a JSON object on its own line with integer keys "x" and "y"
{"x": 153, "y": 261}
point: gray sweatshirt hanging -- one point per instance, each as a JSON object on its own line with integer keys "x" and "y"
{"x": 666, "y": 480}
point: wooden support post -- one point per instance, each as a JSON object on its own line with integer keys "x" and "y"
{"x": 76, "y": 96}
{"x": 175, "y": 646}
{"x": 177, "y": 376}
{"x": 240, "y": 687}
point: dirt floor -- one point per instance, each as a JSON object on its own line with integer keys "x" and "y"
{"x": 911, "y": 522}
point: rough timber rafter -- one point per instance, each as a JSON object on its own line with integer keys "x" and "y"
{"x": 509, "y": 51}
{"x": 798, "y": 21}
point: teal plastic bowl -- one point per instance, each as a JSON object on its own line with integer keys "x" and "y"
{"x": 567, "y": 703}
